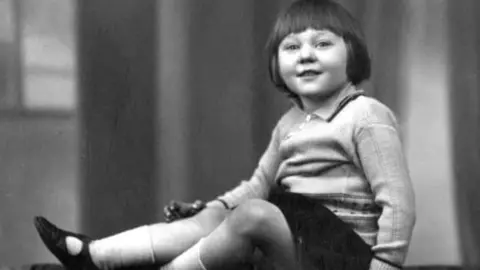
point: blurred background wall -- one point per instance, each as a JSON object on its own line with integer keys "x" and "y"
{"x": 38, "y": 123}
{"x": 110, "y": 111}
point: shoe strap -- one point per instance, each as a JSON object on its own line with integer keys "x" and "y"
{"x": 85, "y": 254}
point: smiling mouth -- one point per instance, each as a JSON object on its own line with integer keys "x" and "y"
{"x": 309, "y": 73}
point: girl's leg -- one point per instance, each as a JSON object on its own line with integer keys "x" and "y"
{"x": 152, "y": 244}
{"x": 157, "y": 243}
{"x": 254, "y": 224}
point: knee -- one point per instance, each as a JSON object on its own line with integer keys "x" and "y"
{"x": 253, "y": 217}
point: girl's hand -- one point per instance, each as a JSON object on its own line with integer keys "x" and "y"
{"x": 177, "y": 210}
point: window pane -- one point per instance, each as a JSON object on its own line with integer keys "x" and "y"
{"x": 48, "y": 92}
{"x": 49, "y": 54}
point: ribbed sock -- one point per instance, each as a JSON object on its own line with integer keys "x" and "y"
{"x": 132, "y": 247}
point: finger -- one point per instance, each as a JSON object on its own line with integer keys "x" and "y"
{"x": 168, "y": 216}
{"x": 166, "y": 211}
{"x": 198, "y": 204}
{"x": 173, "y": 206}
{"x": 171, "y": 211}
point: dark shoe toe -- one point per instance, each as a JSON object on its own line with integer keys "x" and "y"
{"x": 54, "y": 240}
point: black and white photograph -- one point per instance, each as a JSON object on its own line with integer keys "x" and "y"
{"x": 239, "y": 134}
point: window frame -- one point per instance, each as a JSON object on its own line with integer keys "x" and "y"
{"x": 19, "y": 108}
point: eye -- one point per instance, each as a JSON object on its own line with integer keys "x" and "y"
{"x": 323, "y": 44}
{"x": 291, "y": 47}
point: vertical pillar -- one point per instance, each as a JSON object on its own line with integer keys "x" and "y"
{"x": 117, "y": 84}
{"x": 173, "y": 100}
{"x": 428, "y": 132}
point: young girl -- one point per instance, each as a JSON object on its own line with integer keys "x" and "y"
{"x": 331, "y": 191}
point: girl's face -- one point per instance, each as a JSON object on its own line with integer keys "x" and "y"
{"x": 313, "y": 64}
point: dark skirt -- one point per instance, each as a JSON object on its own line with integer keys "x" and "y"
{"x": 322, "y": 240}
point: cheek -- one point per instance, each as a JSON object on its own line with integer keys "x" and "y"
{"x": 337, "y": 65}
{"x": 284, "y": 76}
{"x": 343, "y": 63}
{"x": 285, "y": 68}
{"x": 287, "y": 75}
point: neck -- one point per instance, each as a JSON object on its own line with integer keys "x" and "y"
{"x": 324, "y": 103}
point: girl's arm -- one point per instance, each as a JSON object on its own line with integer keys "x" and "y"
{"x": 381, "y": 155}
{"x": 259, "y": 184}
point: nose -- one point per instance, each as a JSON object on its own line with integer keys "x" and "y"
{"x": 307, "y": 55}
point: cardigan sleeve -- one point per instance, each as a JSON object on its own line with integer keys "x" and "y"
{"x": 258, "y": 186}
{"x": 381, "y": 155}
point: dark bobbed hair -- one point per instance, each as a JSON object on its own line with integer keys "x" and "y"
{"x": 320, "y": 15}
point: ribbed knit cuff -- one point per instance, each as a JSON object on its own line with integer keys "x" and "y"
{"x": 376, "y": 264}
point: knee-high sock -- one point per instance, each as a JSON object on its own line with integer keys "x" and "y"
{"x": 157, "y": 243}
{"x": 223, "y": 249}
{"x": 128, "y": 248}
{"x": 188, "y": 260}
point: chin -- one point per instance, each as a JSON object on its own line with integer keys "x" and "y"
{"x": 312, "y": 93}
{"x": 316, "y": 94}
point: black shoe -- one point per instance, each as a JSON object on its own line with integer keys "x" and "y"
{"x": 54, "y": 239}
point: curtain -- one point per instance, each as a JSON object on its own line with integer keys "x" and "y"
{"x": 425, "y": 61}
{"x": 464, "y": 42}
